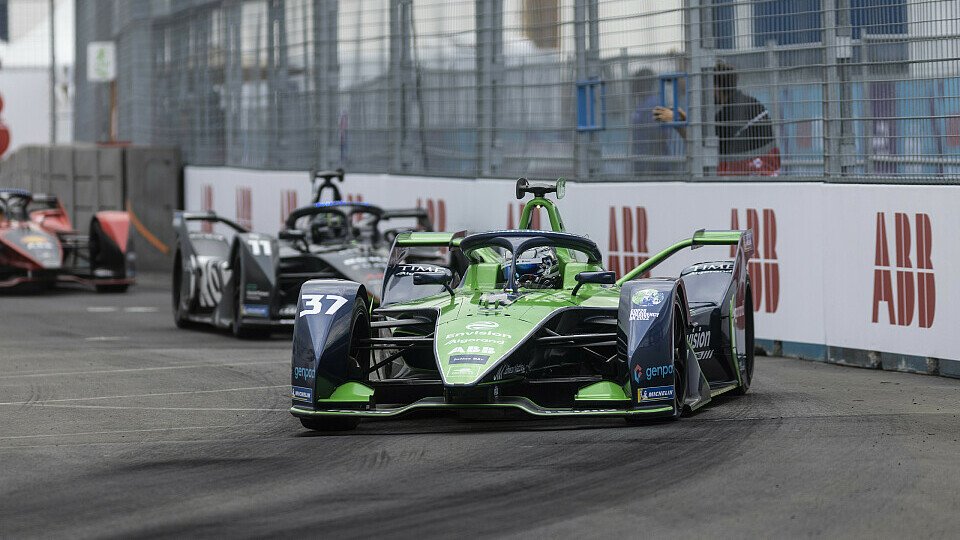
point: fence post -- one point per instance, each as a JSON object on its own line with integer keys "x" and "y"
{"x": 587, "y": 45}
{"x": 489, "y": 73}
{"x": 400, "y": 71}
{"x": 233, "y": 102}
{"x": 326, "y": 82}
{"x": 702, "y": 149}
{"x": 831, "y": 94}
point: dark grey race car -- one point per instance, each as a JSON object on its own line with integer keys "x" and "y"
{"x": 249, "y": 282}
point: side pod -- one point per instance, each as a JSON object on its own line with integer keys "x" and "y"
{"x": 321, "y": 338}
{"x": 646, "y": 318}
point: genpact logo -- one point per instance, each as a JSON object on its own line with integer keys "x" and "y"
{"x": 631, "y": 223}
{"x": 482, "y": 325}
{"x": 926, "y": 291}
{"x": 764, "y": 269}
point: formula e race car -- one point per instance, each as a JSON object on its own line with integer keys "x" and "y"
{"x": 250, "y": 283}
{"x": 524, "y": 320}
{"x": 39, "y": 246}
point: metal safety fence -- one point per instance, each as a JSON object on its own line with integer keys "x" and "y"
{"x": 842, "y": 90}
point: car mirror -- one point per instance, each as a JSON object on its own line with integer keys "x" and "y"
{"x": 293, "y": 235}
{"x": 600, "y": 278}
{"x": 434, "y": 278}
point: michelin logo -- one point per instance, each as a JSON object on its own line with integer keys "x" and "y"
{"x": 301, "y": 393}
{"x": 656, "y": 393}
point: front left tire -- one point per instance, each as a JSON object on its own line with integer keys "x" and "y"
{"x": 358, "y": 366}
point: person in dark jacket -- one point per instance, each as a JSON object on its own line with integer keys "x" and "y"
{"x": 650, "y": 139}
{"x": 743, "y": 126}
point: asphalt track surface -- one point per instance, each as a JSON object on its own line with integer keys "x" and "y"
{"x": 113, "y": 423}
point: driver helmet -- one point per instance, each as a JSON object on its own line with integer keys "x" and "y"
{"x": 537, "y": 267}
{"x": 325, "y": 227}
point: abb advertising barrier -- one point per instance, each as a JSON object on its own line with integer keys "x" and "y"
{"x": 853, "y": 266}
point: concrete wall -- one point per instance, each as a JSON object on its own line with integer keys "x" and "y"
{"x": 88, "y": 179}
{"x": 853, "y": 274}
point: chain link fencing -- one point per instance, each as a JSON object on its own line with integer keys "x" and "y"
{"x": 614, "y": 90}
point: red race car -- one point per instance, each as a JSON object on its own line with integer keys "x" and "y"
{"x": 38, "y": 245}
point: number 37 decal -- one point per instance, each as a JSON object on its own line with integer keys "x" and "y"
{"x": 314, "y": 303}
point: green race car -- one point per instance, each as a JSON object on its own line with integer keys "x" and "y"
{"x": 524, "y": 320}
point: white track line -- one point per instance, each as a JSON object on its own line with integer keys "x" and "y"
{"x": 84, "y": 433}
{"x": 145, "y": 395}
{"x": 130, "y": 370}
{"x": 125, "y": 407}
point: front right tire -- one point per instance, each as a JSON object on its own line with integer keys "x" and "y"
{"x": 679, "y": 368}
{"x": 679, "y": 362}
{"x": 179, "y": 314}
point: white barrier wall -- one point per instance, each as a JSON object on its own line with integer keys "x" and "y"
{"x": 853, "y": 266}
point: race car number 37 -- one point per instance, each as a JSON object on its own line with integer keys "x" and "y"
{"x": 314, "y": 303}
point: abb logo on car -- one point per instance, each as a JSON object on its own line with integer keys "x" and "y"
{"x": 899, "y": 308}
{"x": 764, "y": 269}
{"x": 633, "y": 250}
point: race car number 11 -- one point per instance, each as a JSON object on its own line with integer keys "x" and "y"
{"x": 314, "y": 305}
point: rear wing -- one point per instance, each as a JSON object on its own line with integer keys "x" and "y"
{"x": 742, "y": 239}
{"x": 430, "y": 239}
{"x": 421, "y": 215}
{"x": 180, "y": 220}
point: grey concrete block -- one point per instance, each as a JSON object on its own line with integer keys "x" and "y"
{"x": 854, "y": 357}
{"x": 909, "y": 364}
{"x": 949, "y": 368}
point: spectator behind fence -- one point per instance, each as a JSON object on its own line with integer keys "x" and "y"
{"x": 743, "y": 126}
{"x": 650, "y": 140}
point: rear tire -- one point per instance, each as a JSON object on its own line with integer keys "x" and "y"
{"x": 746, "y": 375}
{"x": 679, "y": 364}
{"x": 358, "y": 364}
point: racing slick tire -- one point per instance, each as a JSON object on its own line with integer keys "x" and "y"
{"x": 179, "y": 316}
{"x": 239, "y": 329}
{"x": 358, "y": 359}
{"x": 679, "y": 368}
{"x": 96, "y": 232}
{"x": 749, "y": 345}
